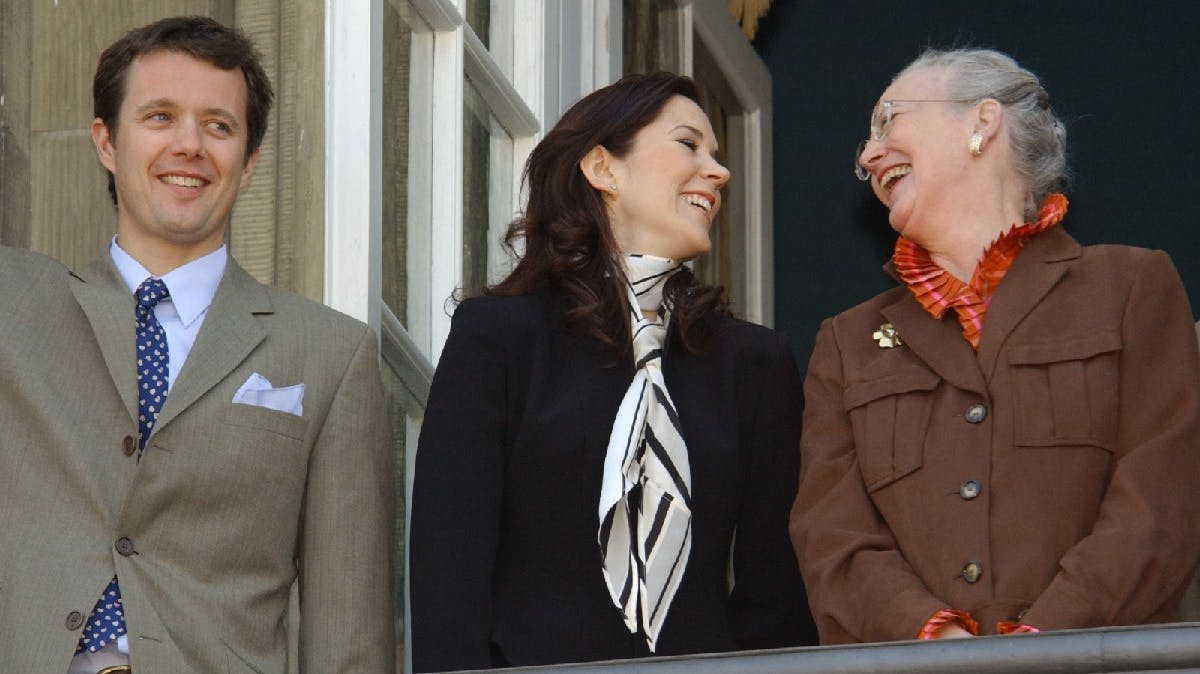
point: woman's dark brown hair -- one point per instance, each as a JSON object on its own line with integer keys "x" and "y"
{"x": 565, "y": 230}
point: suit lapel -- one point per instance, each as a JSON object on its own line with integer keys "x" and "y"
{"x": 1039, "y": 266}
{"x": 109, "y": 306}
{"x": 230, "y": 332}
{"x": 938, "y": 343}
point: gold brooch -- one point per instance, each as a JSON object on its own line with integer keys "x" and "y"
{"x": 887, "y": 336}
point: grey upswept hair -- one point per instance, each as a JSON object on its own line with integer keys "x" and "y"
{"x": 1037, "y": 137}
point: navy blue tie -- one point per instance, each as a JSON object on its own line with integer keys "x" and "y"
{"x": 151, "y": 357}
{"x": 107, "y": 621}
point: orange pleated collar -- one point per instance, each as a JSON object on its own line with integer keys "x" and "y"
{"x": 937, "y": 290}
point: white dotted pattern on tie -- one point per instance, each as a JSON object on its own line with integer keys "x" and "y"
{"x": 151, "y": 357}
{"x": 107, "y": 621}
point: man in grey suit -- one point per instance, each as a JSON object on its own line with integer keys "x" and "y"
{"x": 179, "y": 443}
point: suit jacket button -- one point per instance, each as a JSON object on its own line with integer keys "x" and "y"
{"x": 971, "y": 572}
{"x": 969, "y": 490}
{"x": 129, "y": 445}
{"x": 74, "y": 620}
{"x": 975, "y": 414}
{"x": 125, "y": 546}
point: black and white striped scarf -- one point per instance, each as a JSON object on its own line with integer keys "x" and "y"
{"x": 645, "y": 497}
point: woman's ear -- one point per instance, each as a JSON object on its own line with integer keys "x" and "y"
{"x": 597, "y": 168}
{"x": 988, "y": 117}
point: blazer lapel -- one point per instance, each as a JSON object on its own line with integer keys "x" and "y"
{"x": 109, "y": 308}
{"x": 230, "y": 332}
{"x": 1039, "y": 266}
{"x": 938, "y": 343}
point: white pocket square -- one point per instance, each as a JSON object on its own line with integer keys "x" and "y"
{"x": 257, "y": 391}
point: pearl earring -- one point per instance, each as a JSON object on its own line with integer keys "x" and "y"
{"x": 612, "y": 186}
{"x": 975, "y": 144}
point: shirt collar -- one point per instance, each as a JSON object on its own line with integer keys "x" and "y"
{"x": 192, "y": 285}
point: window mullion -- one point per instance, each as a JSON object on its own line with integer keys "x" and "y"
{"x": 446, "y": 179}
{"x": 502, "y": 98}
{"x": 353, "y": 132}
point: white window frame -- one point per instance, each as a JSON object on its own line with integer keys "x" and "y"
{"x": 583, "y": 51}
{"x": 353, "y": 196}
{"x": 509, "y": 80}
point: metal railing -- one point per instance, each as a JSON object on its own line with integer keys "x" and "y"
{"x": 1162, "y": 649}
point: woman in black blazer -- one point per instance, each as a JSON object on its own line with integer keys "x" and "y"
{"x": 608, "y": 457}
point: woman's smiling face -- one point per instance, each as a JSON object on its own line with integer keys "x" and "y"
{"x": 668, "y": 185}
{"x": 923, "y": 154}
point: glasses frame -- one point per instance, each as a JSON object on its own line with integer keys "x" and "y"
{"x": 881, "y": 121}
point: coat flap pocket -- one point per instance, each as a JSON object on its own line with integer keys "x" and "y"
{"x": 890, "y": 384}
{"x": 1075, "y": 348}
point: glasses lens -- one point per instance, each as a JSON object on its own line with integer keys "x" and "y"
{"x": 859, "y": 171}
{"x": 881, "y": 120}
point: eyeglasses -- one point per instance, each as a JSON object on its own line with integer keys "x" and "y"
{"x": 881, "y": 122}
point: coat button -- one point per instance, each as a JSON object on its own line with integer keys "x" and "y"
{"x": 74, "y": 620}
{"x": 125, "y": 546}
{"x": 971, "y": 572}
{"x": 975, "y": 413}
{"x": 969, "y": 490}
{"x": 129, "y": 445}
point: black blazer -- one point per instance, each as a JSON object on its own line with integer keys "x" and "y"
{"x": 504, "y": 558}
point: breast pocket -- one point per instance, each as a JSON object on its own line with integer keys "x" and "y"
{"x": 260, "y": 446}
{"x": 889, "y": 415}
{"x": 261, "y": 418}
{"x": 1065, "y": 392}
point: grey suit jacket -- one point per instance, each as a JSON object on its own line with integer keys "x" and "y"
{"x": 228, "y": 503}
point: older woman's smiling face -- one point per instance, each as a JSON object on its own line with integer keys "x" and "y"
{"x": 921, "y": 158}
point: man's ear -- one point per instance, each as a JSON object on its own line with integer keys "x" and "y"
{"x": 104, "y": 141}
{"x": 597, "y": 168}
{"x": 248, "y": 169}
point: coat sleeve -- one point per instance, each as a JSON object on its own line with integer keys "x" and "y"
{"x": 1146, "y": 539}
{"x": 768, "y": 607}
{"x": 457, "y": 497}
{"x": 346, "y": 620}
{"x": 860, "y": 586}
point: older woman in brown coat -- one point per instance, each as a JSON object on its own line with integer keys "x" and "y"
{"x": 1008, "y": 441}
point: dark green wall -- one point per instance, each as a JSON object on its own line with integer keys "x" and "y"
{"x": 1123, "y": 75}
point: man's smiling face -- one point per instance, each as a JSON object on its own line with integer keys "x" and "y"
{"x": 178, "y": 155}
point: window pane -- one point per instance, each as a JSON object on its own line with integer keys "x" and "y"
{"x": 400, "y": 405}
{"x": 397, "y": 59}
{"x": 479, "y": 18}
{"x": 487, "y": 159}
{"x": 640, "y": 36}
{"x": 651, "y": 36}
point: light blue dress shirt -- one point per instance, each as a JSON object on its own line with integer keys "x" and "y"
{"x": 192, "y": 287}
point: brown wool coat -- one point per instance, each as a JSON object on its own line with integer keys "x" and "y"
{"x": 1087, "y": 458}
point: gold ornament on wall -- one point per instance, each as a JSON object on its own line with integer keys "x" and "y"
{"x": 747, "y": 13}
